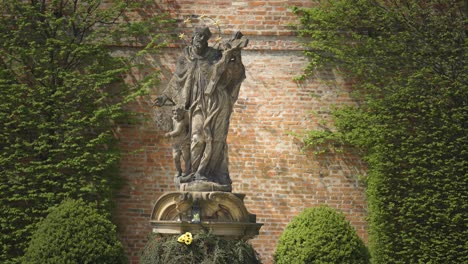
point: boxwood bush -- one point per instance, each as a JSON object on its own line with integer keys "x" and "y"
{"x": 320, "y": 235}
{"x": 75, "y": 232}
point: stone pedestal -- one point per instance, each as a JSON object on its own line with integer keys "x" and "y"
{"x": 223, "y": 213}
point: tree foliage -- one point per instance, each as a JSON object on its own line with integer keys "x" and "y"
{"x": 75, "y": 232}
{"x": 408, "y": 63}
{"x": 320, "y": 235}
{"x": 205, "y": 248}
{"x": 62, "y": 94}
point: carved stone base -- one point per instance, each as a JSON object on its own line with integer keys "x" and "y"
{"x": 223, "y": 213}
{"x": 204, "y": 186}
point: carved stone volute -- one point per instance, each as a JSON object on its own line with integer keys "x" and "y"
{"x": 222, "y": 212}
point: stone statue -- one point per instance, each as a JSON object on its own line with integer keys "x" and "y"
{"x": 206, "y": 83}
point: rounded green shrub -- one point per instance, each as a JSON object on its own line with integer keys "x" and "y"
{"x": 205, "y": 248}
{"x": 75, "y": 232}
{"x": 320, "y": 235}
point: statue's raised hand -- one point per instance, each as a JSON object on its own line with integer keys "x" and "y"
{"x": 160, "y": 100}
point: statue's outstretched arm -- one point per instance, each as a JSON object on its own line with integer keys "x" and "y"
{"x": 165, "y": 98}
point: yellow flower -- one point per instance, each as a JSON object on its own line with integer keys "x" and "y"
{"x": 188, "y": 21}
{"x": 182, "y": 36}
{"x": 185, "y": 238}
{"x": 216, "y": 22}
{"x": 218, "y": 39}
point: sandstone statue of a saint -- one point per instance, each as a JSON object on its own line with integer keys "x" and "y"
{"x": 206, "y": 84}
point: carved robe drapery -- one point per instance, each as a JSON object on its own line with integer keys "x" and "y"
{"x": 207, "y": 85}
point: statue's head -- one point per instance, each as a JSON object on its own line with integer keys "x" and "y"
{"x": 200, "y": 39}
{"x": 179, "y": 112}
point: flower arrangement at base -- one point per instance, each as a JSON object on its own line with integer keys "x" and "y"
{"x": 197, "y": 249}
{"x": 185, "y": 238}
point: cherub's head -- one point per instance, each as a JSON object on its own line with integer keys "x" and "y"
{"x": 179, "y": 113}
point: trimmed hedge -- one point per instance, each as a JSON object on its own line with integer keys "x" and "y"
{"x": 75, "y": 232}
{"x": 205, "y": 248}
{"x": 408, "y": 63}
{"x": 63, "y": 95}
{"x": 320, "y": 235}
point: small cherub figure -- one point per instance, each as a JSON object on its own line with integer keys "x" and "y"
{"x": 181, "y": 140}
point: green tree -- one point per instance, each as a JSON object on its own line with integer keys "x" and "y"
{"x": 62, "y": 95}
{"x": 75, "y": 232}
{"x": 407, "y": 60}
{"x": 320, "y": 235}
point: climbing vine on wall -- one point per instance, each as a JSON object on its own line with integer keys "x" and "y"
{"x": 62, "y": 96}
{"x": 407, "y": 60}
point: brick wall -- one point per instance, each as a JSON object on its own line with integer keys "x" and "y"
{"x": 266, "y": 161}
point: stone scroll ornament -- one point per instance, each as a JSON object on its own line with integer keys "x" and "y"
{"x": 204, "y": 88}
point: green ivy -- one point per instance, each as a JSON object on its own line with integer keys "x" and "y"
{"x": 323, "y": 141}
{"x": 62, "y": 96}
{"x": 407, "y": 60}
